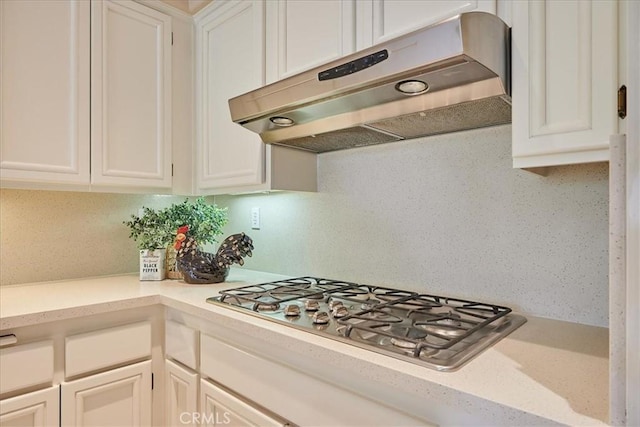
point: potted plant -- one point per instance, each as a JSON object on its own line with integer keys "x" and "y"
{"x": 155, "y": 230}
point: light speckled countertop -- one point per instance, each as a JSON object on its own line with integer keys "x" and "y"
{"x": 545, "y": 372}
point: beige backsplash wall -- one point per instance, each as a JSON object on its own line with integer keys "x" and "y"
{"x": 446, "y": 215}
{"x": 54, "y": 235}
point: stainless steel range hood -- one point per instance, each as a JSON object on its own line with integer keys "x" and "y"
{"x": 463, "y": 63}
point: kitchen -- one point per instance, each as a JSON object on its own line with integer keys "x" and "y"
{"x": 408, "y": 214}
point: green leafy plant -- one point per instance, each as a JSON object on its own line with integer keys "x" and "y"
{"x": 157, "y": 228}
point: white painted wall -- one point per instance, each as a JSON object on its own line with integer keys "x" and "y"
{"x": 446, "y": 215}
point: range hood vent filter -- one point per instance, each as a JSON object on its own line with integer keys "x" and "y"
{"x": 340, "y": 139}
{"x": 469, "y": 115}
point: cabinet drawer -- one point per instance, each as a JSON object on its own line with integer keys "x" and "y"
{"x": 26, "y": 365}
{"x": 181, "y": 343}
{"x": 96, "y": 350}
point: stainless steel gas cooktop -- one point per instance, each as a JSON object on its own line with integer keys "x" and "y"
{"x": 438, "y": 332}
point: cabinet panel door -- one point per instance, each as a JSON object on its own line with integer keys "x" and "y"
{"x": 564, "y": 59}
{"x": 230, "y": 62}
{"x": 37, "y": 409}
{"x": 181, "y": 395}
{"x": 308, "y": 33}
{"x": 120, "y": 397}
{"x": 392, "y": 18}
{"x": 44, "y": 91}
{"x": 131, "y": 95}
{"x": 221, "y": 407}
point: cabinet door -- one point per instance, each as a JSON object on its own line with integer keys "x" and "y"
{"x": 229, "y": 61}
{"x": 120, "y": 397}
{"x": 564, "y": 60}
{"x": 44, "y": 91}
{"x": 181, "y": 395}
{"x": 220, "y": 407}
{"x": 380, "y": 20}
{"x": 37, "y": 409}
{"x": 130, "y": 95}
{"x": 304, "y": 34}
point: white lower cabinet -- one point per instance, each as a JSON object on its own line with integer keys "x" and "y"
{"x": 37, "y": 409}
{"x": 119, "y": 397}
{"x": 88, "y": 371}
{"x": 181, "y": 395}
{"x": 222, "y": 407}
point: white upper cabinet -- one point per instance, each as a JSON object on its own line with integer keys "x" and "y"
{"x": 380, "y": 20}
{"x": 44, "y": 91}
{"x": 304, "y": 34}
{"x": 130, "y": 95}
{"x": 565, "y": 78}
{"x": 85, "y": 95}
{"x": 230, "y": 60}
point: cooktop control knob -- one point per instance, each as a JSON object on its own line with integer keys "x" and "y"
{"x": 334, "y": 303}
{"x": 311, "y": 305}
{"x": 339, "y": 311}
{"x": 320, "y": 317}
{"x": 292, "y": 310}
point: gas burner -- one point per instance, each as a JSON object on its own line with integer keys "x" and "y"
{"x": 399, "y": 342}
{"x": 441, "y": 330}
{"x": 377, "y": 315}
{"x": 356, "y": 294}
{"x": 265, "y": 307}
{"x": 388, "y": 295}
{"x": 419, "y": 304}
{"x": 438, "y": 332}
{"x": 412, "y": 335}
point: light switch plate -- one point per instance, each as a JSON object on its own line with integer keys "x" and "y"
{"x": 255, "y": 218}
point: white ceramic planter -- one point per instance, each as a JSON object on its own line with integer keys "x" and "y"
{"x": 152, "y": 264}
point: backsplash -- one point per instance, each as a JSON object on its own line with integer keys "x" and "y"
{"x": 55, "y": 235}
{"x": 447, "y": 215}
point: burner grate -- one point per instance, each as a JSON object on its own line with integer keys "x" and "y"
{"x": 447, "y": 320}
{"x": 269, "y": 296}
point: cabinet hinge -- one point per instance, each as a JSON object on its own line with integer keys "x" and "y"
{"x": 171, "y": 38}
{"x": 622, "y": 102}
{"x": 152, "y": 381}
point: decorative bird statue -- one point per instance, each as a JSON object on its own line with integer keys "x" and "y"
{"x": 200, "y": 267}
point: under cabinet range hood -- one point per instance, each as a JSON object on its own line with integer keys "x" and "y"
{"x": 447, "y": 77}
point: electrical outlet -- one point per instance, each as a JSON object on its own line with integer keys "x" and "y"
{"x": 255, "y": 218}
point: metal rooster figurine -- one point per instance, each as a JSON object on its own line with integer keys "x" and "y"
{"x": 199, "y": 267}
